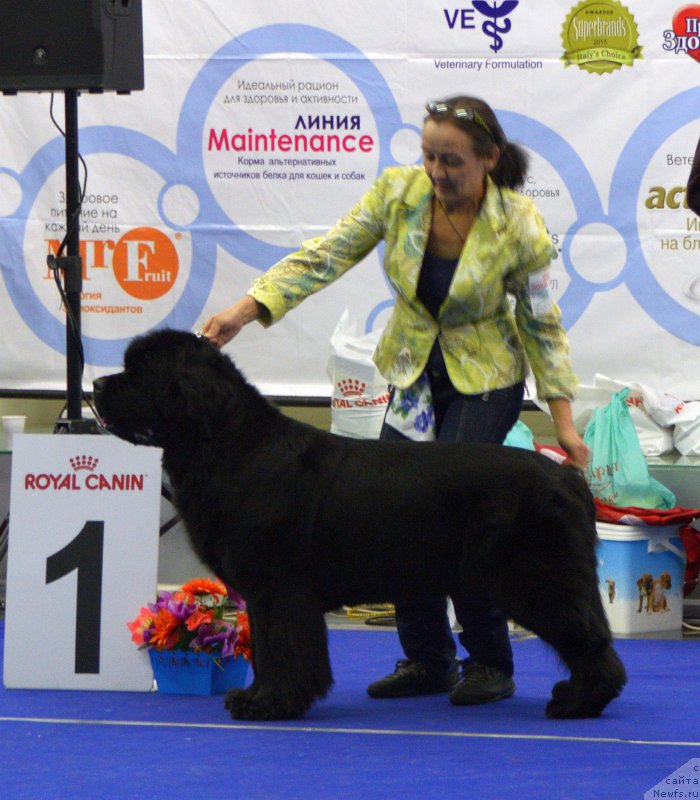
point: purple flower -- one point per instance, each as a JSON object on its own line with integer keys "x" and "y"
{"x": 181, "y": 609}
{"x": 162, "y": 602}
{"x": 235, "y": 598}
{"x": 215, "y": 635}
{"x": 175, "y": 604}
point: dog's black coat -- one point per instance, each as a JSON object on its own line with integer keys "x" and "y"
{"x": 300, "y": 522}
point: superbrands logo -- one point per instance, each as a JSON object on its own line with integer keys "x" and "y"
{"x": 83, "y": 475}
{"x": 600, "y": 36}
{"x": 684, "y": 35}
{"x": 494, "y": 26}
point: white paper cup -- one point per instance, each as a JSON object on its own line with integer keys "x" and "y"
{"x": 12, "y": 424}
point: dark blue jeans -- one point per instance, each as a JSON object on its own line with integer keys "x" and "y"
{"x": 423, "y": 626}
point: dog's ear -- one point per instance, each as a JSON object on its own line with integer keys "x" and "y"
{"x": 198, "y": 402}
{"x": 187, "y": 380}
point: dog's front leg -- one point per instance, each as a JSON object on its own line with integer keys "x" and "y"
{"x": 290, "y": 654}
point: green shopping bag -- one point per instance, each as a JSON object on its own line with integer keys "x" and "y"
{"x": 520, "y": 436}
{"x": 618, "y": 473}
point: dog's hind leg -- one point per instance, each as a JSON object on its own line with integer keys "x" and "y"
{"x": 597, "y": 677}
{"x": 569, "y": 616}
{"x": 537, "y": 563}
{"x": 584, "y": 642}
{"x": 290, "y": 654}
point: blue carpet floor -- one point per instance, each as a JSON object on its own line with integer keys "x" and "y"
{"x": 128, "y": 745}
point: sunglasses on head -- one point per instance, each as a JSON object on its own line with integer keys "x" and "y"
{"x": 460, "y": 113}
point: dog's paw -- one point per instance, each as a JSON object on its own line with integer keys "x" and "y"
{"x": 566, "y": 704}
{"x": 560, "y": 706}
{"x": 561, "y": 691}
{"x": 236, "y": 697}
{"x": 261, "y": 705}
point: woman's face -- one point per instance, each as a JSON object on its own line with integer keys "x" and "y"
{"x": 457, "y": 173}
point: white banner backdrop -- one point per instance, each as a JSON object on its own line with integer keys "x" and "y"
{"x": 261, "y": 123}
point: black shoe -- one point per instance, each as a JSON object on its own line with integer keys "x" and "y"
{"x": 481, "y": 684}
{"x": 412, "y": 678}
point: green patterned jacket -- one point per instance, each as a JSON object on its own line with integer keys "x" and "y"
{"x": 486, "y": 339}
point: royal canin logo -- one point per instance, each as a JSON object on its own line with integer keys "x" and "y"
{"x": 353, "y": 395}
{"x": 84, "y": 462}
{"x": 83, "y": 475}
{"x": 351, "y": 387}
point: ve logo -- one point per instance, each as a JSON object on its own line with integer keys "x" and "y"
{"x": 495, "y": 12}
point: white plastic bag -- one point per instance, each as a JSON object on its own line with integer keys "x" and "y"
{"x": 686, "y": 432}
{"x": 360, "y": 394}
{"x": 650, "y": 412}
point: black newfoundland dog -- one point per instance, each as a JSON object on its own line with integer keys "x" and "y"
{"x": 301, "y": 521}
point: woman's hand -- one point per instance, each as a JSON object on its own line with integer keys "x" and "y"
{"x": 222, "y": 327}
{"x": 569, "y": 440}
{"x": 576, "y": 450}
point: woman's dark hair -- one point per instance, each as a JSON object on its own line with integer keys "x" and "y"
{"x": 476, "y": 117}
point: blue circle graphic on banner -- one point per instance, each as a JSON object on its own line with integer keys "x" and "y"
{"x": 186, "y": 168}
{"x": 234, "y": 56}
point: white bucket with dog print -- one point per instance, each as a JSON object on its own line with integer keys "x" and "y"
{"x": 640, "y": 574}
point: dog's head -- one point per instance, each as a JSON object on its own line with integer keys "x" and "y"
{"x": 665, "y": 580}
{"x": 646, "y": 582}
{"x": 171, "y": 380}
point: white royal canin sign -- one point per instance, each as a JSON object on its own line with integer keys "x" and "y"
{"x": 82, "y": 560}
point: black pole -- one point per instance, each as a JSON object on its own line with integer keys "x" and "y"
{"x": 73, "y": 273}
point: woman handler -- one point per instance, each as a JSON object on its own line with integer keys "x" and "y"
{"x": 460, "y": 242}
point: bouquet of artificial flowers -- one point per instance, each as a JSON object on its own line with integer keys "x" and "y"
{"x": 192, "y": 618}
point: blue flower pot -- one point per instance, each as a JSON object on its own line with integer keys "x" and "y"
{"x": 186, "y": 672}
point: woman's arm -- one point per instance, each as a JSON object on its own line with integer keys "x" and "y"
{"x": 316, "y": 264}
{"x": 568, "y": 438}
{"x": 222, "y": 327}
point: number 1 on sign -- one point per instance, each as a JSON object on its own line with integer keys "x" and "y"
{"x": 84, "y": 553}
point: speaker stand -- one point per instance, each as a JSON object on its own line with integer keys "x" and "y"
{"x": 71, "y": 267}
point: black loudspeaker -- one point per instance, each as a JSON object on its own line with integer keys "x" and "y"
{"x": 52, "y": 45}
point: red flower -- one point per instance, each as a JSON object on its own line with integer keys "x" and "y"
{"x": 139, "y": 625}
{"x": 201, "y": 616}
{"x": 242, "y": 644}
{"x": 165, "y": 634}
{"x": 205, "y": 586}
